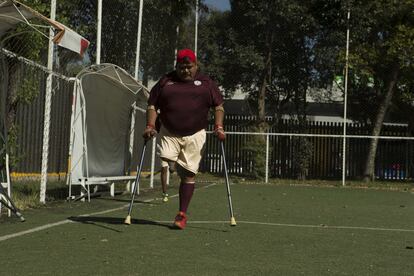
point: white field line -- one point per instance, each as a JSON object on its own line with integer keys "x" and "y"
{"x": 50, "y": 225}
{"x": 322, "y": 226}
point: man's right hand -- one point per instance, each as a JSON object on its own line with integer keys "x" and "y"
{"x": 149, "y": 132}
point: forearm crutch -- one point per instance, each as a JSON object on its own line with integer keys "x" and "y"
{"x": 8, "y": 203}
{"x": 139, "y": 168}
{"x": 232, "y": 219}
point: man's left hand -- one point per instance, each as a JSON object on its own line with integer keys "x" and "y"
{"x": 219, "y": 132}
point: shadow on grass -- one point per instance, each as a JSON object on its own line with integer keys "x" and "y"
{"x": 206, "y": 228}
{"x": 99, "y": 221}
{"x": 128, "y": 200}
{"x": 106, "y": 197}
{"x": 117, "y": 221}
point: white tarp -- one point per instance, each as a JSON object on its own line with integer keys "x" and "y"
{"x": 13, "y": 12}
{"x": 104, "y": 96}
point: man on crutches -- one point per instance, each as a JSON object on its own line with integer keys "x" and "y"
{"x": 184, "y": 98}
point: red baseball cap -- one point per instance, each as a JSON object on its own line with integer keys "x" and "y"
{"x": 186, "y": 54}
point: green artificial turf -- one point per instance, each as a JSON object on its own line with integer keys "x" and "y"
{"x": 282, "y": 230}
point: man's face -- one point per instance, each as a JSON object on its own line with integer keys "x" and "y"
{"x": 186, "y": 70}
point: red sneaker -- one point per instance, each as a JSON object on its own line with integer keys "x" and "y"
{"x": 180, "y": 220}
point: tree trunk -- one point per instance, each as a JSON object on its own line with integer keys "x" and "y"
{"x": 261, "y": 102}
{"x": 261, "y": 99}
{"x": 369, "y": 172}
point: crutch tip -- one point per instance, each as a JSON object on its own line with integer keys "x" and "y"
{"x": 233, "y": 222}
{"x": 20, "y": 216}
{"x": 128, "y": 220}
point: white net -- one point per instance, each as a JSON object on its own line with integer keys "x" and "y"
{"x": 281, "y": 62}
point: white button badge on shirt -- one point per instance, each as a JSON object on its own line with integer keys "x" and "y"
{"x": 197, "y": 82}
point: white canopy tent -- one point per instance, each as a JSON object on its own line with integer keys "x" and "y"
{"x": 107, "y": 103}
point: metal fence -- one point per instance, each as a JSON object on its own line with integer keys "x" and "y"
{"x": 394, "y": 161}
{"x": 29, "y": 117}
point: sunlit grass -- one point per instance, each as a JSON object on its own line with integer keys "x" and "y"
{"x": 26, "y": 194}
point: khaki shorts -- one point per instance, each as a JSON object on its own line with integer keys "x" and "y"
{"x": 185, "y": 150}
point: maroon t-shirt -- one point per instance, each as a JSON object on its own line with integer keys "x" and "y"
{"x": 184, "y": 105}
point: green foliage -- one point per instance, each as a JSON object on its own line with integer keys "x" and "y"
{"x": 270, "y": 50}
{"x": 28, "y": 90}
{"x": 381, "y": 43}
{"x": 306, "y": 41}
{"x": 160, "y": 37}
{"x": 213, "y": 42}
{"x": 256, "y": 149}
{"x": 24, "y": 40}
{"x": 29, "y": 42}
{"x": 26, "y": 196}
{"x": 403, "y": 47}
{"x": 119, "y": 36}
{"x": 13, "y": 146}
{"x": 302, "y": 154}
